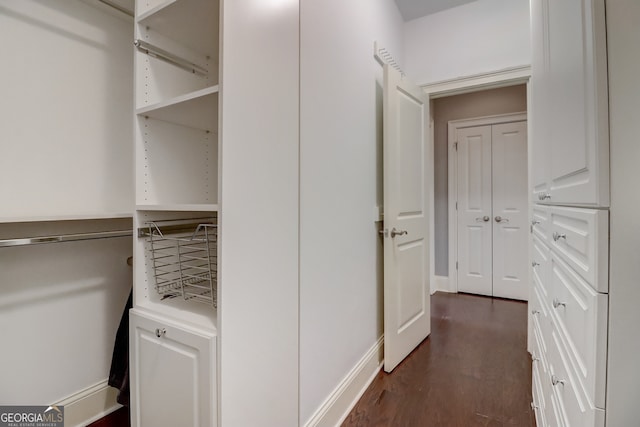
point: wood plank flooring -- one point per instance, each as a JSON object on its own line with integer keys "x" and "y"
{"x": 473, "y": 370}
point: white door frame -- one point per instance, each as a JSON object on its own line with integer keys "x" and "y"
{"x": 454, "y": 125}
{"x": 467, "y": 84}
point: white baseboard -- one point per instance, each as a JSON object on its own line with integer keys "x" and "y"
{"x": 89, "y": 405}
{"x": 341, "y": 401}
{"x": 441, "y": 283}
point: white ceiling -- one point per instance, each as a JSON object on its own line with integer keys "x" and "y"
{"x": 412, "y": 9}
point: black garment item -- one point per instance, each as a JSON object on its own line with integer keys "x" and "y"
{"x": 119, "y": 373}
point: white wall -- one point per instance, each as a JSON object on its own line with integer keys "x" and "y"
{"x": 67, "y": 113}
{"x": 66, "y": 152}
{"x": 341, "y": 171}
{"x": 479, "y": 37}
{"x": 60, "y": 307}
{"x": 623, "y": 39}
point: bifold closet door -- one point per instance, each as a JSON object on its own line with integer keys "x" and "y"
{"x": 492, "y": 210}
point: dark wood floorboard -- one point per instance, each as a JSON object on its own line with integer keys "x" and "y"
{"x": 473, "y": 370}
{"x": 119, "y": 418}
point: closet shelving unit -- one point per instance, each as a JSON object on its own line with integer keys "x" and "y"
{"x": 174, "y": 319}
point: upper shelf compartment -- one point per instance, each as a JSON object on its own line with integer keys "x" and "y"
{"x": 191, "y": 23}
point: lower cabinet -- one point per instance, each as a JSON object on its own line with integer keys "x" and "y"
{"x": 172, "y": 373}
{"x": 568, "y": 343}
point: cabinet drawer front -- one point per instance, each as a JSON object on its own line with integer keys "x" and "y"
{"x": 540, "y": 222}
{"x": 539, "y": 353}
{"x": 541, "y": 265}
{"x": 580, "y": 237}
{"x": 581, "y": 317}
{"x": 572, "y": 406}
{"x": 538, "y": 398}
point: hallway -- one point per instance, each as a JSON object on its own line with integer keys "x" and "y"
{"x": 473, "y": 370}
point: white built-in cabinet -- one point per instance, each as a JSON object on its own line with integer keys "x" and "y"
{"x": 173, "y": 324}
{"x": 570, "y": 157}
{"x": 570, "y": 218}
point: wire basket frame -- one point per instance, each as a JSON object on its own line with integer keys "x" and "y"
{"x": 184, "y": 261}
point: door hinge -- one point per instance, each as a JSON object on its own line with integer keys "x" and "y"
{"x": 456, "y": 265}
{"x": 455, "y": 145}
{"x": 456, "y": 205}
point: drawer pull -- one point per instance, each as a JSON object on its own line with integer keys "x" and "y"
{"x": 535, "y": 359}
{"x": 160, "y": 332}
{"x": 555, "y": 380}
{"x": 534, "y": 312}
{"x": 535, "y": 264}
{"x": 557, "y": 303}
{"x": 534, "y": 406}
{"x": 533, "y": 224}
{"x": 558, "y": 236}
{"x": 544, "y": 196}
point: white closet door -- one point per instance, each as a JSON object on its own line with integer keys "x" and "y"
{"x": 474, "y": 210}
{"x": 510, "y": 213}
{"x": 407, "y": 312}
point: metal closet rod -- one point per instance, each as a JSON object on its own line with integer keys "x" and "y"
{"x": 117, "y": 7}
{"x": 65, "y": 238}
{"x": 156, "y": 52}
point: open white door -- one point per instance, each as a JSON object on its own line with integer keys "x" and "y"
{"x": 407, "y": 314}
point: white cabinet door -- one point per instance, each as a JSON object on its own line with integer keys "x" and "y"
{"x": 407, "y": 311}
{"x": 172, "y": 372}
{"x": 539, "y": 92}
{"x": 569, "y": 103}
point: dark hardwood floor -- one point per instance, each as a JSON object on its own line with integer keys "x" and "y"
{"x": 119, "y": 418}
{"x": 473, "y": 370}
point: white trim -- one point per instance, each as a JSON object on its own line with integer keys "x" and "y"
{"x": 500, "y": 78}
{"x": 452, "y": 136}
{"x": 89, "y": 405}
{"x": 441, "y": 284}
{"x": 335, "y": 409}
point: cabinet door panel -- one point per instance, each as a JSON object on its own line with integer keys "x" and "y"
{"x": 578, "y": 163}
{"x": 539, "y": 120}
{"x": 172, "y": 375}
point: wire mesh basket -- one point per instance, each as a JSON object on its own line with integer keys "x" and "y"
{"x": 184, "y": 260}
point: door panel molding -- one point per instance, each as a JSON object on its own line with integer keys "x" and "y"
{"x": 453, "y": 127}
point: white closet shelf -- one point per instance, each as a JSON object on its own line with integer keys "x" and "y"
{"x": 180, "y": 207}
{"x": 184, "y": 21}
{"x": 80, "y": 217}
{"x": 198, "y": 109}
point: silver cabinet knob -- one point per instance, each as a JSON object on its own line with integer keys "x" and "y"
{"x": 533, "y": 406}
{"x": 395, "y": 232}
{"x": 533, "y": 224}
{"x": 557, "y": 303}
{"x": 555, "y": 380}
{"x": 544, "y": 196}
{"x": 500, "y": 219}
{"x": 534, "y": 312}
{"x": 535, "y": 359}
{"x": 557, "y": 236}
{"x": 160, "y": 332}
{"x": 485, "y": 218}
{"x": 534, "y": 264}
